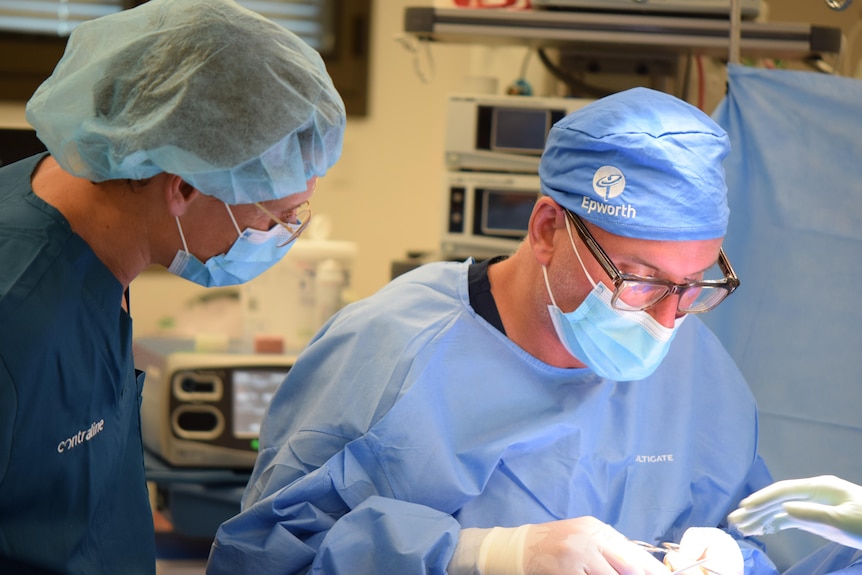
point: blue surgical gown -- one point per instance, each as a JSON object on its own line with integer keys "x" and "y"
{"x": 73, "y": 497}
{"x": 793, "y": 179}
{"x": 409, "y": 417}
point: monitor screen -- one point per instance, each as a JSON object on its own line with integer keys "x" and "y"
{"x": 253, "y": 390}
{"x": 520, "y": 130}
{"x": 506, "y": 212}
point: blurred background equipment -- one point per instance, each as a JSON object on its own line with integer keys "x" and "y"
{"x": 300, "y": 293}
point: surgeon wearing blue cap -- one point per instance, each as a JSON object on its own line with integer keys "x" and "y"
{"x": 538, "y": 413}
{"x": 185, "y": 133}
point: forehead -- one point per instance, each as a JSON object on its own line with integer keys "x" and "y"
{"x": 675, "y": 258}
{"x": 294, "y": 200}
{"x": 286, "y": 204}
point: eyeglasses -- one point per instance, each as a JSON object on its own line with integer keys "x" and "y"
{"x": 299, "y": 218}
{"x": 634, "y": 293}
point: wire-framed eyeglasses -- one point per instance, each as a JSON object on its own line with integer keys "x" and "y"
{"x": 297, "y": 221}
{"x": 634, "y": 293}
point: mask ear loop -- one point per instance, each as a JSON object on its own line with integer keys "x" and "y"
{"x": 548, "y": 285}
{"x": 580, "y": 261}
{"x": 233, "y": 219}
{"x": 182, "y": 235}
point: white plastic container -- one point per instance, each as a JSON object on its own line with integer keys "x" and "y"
{"x": 296, "y": 296}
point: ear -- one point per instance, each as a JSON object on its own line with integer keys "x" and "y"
{"x": 546, "y": 219}
{"x": 178, "y": 194}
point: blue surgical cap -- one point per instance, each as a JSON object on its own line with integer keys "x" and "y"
{"x": 239, "y": 107}
{"x": 640, "y": 164}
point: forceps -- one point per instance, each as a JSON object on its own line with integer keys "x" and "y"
{"x": 665, "y": 547}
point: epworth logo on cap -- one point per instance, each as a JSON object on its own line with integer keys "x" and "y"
{"x": 609, "y": 182}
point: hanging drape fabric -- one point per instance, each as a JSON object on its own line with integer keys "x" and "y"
{"x": 795, "y": 239}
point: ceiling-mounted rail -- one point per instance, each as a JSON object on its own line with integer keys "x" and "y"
{"x": 620, "y": 32}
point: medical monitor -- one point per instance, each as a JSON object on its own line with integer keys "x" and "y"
{"x": 252, "y": 392}
{"x": 205, "y": 410}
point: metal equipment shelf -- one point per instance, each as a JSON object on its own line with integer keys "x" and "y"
{"x": 619, "y": 32}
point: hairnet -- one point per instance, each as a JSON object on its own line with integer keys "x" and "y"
{"x": 640, "y": 164}
{"x": 239, "y": 107}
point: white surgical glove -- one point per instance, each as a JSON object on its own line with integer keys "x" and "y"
{"x": 824, "y": 505}
{"x": 720, "y": 550}
{"x": 579, "y": 546}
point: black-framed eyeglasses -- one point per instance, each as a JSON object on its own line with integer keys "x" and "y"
{"x": 634, "y": 293}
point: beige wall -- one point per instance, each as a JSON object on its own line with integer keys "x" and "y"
{"x": 385, "y": 192}
{"x": 12, "y": 115}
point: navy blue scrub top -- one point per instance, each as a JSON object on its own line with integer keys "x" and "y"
{"x": 73, "y": 496}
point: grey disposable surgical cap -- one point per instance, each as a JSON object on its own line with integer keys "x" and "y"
{"x": 239, "y": 107}
{"x": 640, "y": 164}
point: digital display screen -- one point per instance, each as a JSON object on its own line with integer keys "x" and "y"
{"x": 253, "y": 390}
{"x": 506, "y": 212}
{"x": 520, "y": 130}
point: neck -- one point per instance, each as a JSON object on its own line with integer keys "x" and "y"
{"x": 522, "y": 299}
{"x": 103, "y": 214}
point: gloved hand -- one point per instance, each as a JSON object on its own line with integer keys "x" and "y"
{"x": 824, "y": 505}
{"x": 720, "y": 549}
{"x": 579, "y": 546}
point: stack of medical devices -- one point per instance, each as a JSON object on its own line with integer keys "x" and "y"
{"x": 493, "y": 147}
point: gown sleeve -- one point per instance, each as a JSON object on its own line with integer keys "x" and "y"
{"x": 320, "y": 499}
{"x": 307, "y": 527}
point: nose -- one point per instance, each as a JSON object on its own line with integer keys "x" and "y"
{"x": 665, "y": 312}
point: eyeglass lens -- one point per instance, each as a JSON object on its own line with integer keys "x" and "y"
{"x": 296, "y": 222}
{"x": 632, "y": 295}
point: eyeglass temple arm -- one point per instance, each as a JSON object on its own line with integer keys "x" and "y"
{"x": 730, "y": 275}
{"x": 597, "y": 250}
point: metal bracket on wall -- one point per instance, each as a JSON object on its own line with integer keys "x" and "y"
{"x": 619, "y": 32}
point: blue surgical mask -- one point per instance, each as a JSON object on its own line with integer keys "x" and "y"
{"x": 618, "y": 345}
{"x": 254, "y": 252}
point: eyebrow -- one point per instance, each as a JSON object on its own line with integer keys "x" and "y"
{"x": 635, "y": 259}
{"x": 287, "y": 212}
{"x": 281, "y": 213}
